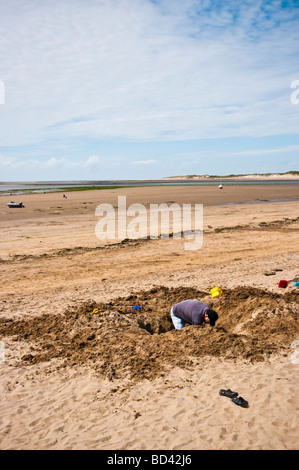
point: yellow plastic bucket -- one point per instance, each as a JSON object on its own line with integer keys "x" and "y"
{"x": 216, "y": 291}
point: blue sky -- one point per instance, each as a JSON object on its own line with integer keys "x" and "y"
{"x": 134, "y": 89}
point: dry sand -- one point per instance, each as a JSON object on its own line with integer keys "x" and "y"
{"x": 123, "y": 379}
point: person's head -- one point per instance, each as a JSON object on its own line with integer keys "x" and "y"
{"x": 211, "y": 317}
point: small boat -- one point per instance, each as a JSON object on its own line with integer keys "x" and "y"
{"x": 15, "y": 204}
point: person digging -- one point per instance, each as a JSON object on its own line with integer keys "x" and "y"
{"x": 192, "y": 312}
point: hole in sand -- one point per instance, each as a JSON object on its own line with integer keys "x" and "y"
{"x": 121, "y": 341}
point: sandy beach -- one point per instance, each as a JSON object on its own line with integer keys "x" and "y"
{"x": 124, "y": 379}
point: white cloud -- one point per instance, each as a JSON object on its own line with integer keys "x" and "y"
{"x": 78, "y": 71}
{"x": 92, "y": 161}
{"x": 136, "y": 70}
{"x": 256, "y": 152}
{"x": 2, "y": 93}
{"x": 51, "y": 163}
{"x": 144, "y": 162}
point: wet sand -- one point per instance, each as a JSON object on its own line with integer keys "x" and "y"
{"x": 123, "y": 378}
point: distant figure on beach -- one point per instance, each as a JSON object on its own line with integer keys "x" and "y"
{"x": 192, "y": 312}
{"x": 65, "y": 196}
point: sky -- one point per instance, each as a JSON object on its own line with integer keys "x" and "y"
{"x": 145, "y": 89}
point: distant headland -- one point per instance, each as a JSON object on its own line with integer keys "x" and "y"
{"x": 289, "y": 175}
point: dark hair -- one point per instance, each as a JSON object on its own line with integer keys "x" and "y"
{"x": 213, "y": 316}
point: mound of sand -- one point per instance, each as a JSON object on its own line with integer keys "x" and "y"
{"x": 120, "y": 341}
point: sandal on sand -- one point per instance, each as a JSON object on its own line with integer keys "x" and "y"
{"x": 228, "y": 393}
{"x": 240, "y": 401}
